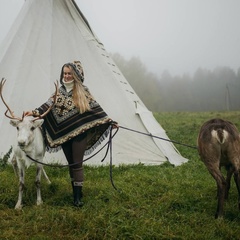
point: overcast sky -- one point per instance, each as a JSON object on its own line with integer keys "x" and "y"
{"x": 175, "y": 35}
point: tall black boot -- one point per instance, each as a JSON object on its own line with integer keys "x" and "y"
{"x": 77, "y": 194}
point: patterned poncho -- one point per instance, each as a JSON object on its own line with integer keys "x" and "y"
{"x": 65, "y": 122}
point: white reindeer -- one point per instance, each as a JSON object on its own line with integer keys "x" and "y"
{"x": 29, "y": 142}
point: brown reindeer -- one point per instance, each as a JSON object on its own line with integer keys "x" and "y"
{"x": 219, "y": 145}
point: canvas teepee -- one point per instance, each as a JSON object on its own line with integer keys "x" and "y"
{"x": 49, "y": 33}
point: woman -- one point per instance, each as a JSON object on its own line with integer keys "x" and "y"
{"x": 76, "y": 123}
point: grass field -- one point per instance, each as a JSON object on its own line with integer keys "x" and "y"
{"x": 155, "y": 202}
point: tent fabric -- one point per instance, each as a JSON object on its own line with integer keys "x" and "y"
{"x": 45, "y": 35}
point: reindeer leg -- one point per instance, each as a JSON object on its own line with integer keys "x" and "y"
{"x": 228, "y": 181}
{"x": 221, "y": 186}
{"x": 235, "y": 170}
{"x": 237, "y": 181}
{"x": 46, "y": 176}
{"x": 21, "y": 188}
{"x": 38, "y": 184}
{"x": 221, "y": 198}
{"x": 15, "y": 166}
{"x": 213, "y": 168}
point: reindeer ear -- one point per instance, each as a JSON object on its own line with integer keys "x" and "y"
{"x": 38, "y": 123}
{"x": 14, "y": 122}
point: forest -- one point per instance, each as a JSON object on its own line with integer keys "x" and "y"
{"x": 205, "y": 90}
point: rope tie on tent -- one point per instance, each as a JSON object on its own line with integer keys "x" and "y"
{"x": 153, "y": 136}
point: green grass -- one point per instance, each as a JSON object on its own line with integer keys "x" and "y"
{"x": 155, "y": 202}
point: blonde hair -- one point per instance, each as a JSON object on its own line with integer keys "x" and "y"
{"x": 79, "y": 97}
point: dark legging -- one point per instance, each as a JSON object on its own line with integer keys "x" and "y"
{"x": 74, "y": 151}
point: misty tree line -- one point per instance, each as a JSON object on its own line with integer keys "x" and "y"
{"x": 216, "y": 90}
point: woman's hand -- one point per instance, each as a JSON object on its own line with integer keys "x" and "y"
{"x": 28, "y": 113}
{"x": 115, "y": 125}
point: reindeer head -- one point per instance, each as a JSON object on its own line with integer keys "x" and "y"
{"x": 25, "y": 129}
{"x": 26, "y": 124}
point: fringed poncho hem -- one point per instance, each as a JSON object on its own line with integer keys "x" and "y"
{"x": 64, "y": 122}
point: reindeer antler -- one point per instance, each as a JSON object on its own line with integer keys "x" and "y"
{"x": 8, "y": 108}
{"x": 54, "y": 101}
{"x": 12, "y": 113}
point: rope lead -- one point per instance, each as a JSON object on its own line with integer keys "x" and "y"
{"x": 153, "y": 136}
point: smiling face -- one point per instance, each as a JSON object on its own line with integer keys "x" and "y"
{"x": 67, "y": 74}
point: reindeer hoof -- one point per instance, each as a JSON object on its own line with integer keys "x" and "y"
{"x": 218, "y": 216}
{"x": 39, "y": 202}
{"x": 18, "y": 206}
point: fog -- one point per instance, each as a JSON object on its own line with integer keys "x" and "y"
{"x": 175, "y": 35}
